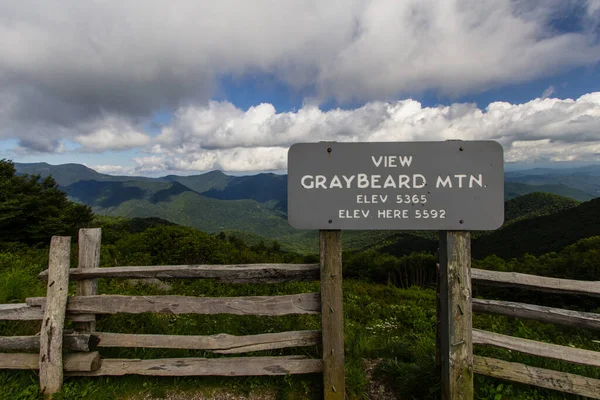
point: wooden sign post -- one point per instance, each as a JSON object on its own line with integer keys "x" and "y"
{"x": 453, "y": 186}
{"x": 456, "y": 343}
{"x": 51, "y": 335}
{"x": 332, "y": 315}
{"x": 89, "y": 257}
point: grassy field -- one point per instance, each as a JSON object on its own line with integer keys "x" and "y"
{"x": 383, "y": 324}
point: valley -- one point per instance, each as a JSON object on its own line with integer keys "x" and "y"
{"x": 255, "y": 206}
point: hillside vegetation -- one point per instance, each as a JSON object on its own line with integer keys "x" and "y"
{"x": 389, "y": 301}
{"x": 536, "y": 205}
{"x": 585, "y": 179}
{"x": 392, "y": 326}
{"x": 256, "y": 205}
{"x": 541, "y": 234}
{"x": 516, "y": 189}
{"x": 33, "y": 209}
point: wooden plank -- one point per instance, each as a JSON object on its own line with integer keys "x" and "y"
{"x": 240, "y": 273}
{"x": 332, "y": 315}
{"x": 545, "y": 378}
{"x": 551, "y": 315}
{"x": 71, "y": 342}
{"x": 89, "y": 258}
{"x": 231, "y": 366}
{"x": 24, "y": 312}
{"x": 534, "y": 282}
{"x": 72, "y": 362}
{"x": 51, "y": 335}
{"x": 20, "y": 312}
{"x": 455, "y": 309}
{"x": 438, "y": 322}
{"x": 220, "y": 344}
{"x": 535, "y": 348}
{"x": 306, "y": 303}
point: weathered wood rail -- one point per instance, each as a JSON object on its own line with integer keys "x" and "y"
{"x": 74, "y": 354}
{"x": 219, "y": 344}
{"x": 72, "y": 342}
{"x": 231, "y": 366}
{"x": 241, "y": 273}
{"x": 545, "y": 378}
{"x": 521, "y": 373}
{"x": 538, "y": 283}
{"x": 306, "y": 303}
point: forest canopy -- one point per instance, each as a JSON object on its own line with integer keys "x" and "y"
{"x": 33, "y": 209}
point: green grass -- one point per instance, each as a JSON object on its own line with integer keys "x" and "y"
{"x": 382, "y": 322}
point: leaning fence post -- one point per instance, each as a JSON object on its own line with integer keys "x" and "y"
{"x": 456, "y": 340}
{"x": 51, "y": 335}
{"x": 332, "y": 315}
{"x": 89, "y": 257}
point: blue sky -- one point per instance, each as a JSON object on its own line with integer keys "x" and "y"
{"x": 189, "y": 88}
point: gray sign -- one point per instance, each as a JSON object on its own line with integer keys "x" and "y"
{"x": 452, "y": 185}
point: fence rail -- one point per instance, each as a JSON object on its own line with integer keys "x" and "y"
{"x": 71, "y": 342}
{"x": 552, "y": 315}
{"x": 535, "y": 348}
{"x": 521, "y": 373}
{"x": 242, "y": 273}
{"x": 306, "y": 303}
{"x": 219, "y": 344}
{"x": 81, "y": 359}
{"x": 539, "y": 283}
{"x": 545, "y": 378}
{"x": 231, "y": 366}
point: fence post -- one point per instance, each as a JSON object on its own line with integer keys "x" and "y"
{"x": 89, "y": 257}
{"x": 51, "y": 335}
{"x": 332, "y": 315}
{"x": 455, "y": 314}
{"x": 438, "y": 323}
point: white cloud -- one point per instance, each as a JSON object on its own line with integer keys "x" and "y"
{"x": 549, "y": 91}
{"x": 112, "y": 169}
{"x": 110, "y": 139}
{"x": 63, "y": 65}
{"x": 237, "y": 159}
{"x": 221, "y": 136}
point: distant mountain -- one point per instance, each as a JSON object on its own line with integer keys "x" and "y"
{"x": 269, "y": 189}
{"x": 67, "y": 174}
{"x": 516, "y": 189}
{"x": 529, "y": 206}
{"x": 203, "y": 182}
{"x": 177, "y": 203}
{"x": 543, "y": 234}
{"x": 99, "y": 194}
{"x": 257, "y": 204}
{"x": 536, "y": 205}
{"x": 585, "y": 179}
{"x": 64, "y": 174}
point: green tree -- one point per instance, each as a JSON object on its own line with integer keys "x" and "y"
{"x": 33, "y": 209}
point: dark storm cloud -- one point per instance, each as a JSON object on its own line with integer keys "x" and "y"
{"x": 95, "y": 72}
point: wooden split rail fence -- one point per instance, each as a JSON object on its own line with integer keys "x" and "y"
{"x": 516, "y": 372}
{"x": 81, "y": 357}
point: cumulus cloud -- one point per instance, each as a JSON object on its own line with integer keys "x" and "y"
{"x": 112, "y": 169}
{"x": 64, "y": 65}
{"x": 238, "y": 159}
{"x": 221, "y": 136}
{"x": 112, "y": 139}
